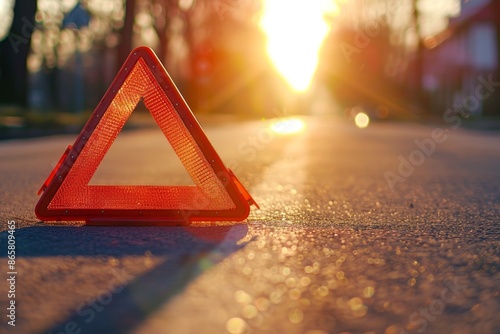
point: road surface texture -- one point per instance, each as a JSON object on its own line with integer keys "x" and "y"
{"x": 357, "y": 233}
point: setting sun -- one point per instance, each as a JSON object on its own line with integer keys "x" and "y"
{"x": 295, "y": 31}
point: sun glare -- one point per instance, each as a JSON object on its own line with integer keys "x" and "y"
{"x": 288, "y": 126}
{"x": 295, "y": 31}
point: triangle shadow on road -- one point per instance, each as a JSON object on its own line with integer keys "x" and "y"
{"x": 188, "y": 250}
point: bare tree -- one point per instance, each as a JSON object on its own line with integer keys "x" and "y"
{"x": 125, "y": 45}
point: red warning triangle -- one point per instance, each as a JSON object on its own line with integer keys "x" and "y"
{"x": 216, "y": 194}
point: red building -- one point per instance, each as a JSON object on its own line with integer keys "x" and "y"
{"x": 463, "y": 57}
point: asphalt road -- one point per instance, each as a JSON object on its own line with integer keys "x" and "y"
{"x": 343, "y": 242}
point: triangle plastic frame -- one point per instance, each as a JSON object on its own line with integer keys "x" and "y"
{"x": 102, "y": 215}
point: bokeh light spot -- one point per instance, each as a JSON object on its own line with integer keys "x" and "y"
{"x": 236, "y": 326}
{"x": 362, "y": 120}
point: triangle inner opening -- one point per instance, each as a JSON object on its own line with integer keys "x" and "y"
{"x": 141, "y": 156}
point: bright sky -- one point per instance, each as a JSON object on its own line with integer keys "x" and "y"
{"x": 6, "y": 7}
{"x": 436, "y": 13}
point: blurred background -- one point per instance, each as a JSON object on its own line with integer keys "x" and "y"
{"x": 362, "y": 60}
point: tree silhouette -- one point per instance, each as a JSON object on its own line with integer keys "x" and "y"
{"x": 13, "y": 54}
